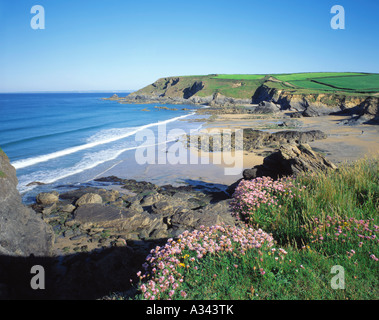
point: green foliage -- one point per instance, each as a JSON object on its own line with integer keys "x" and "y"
{"x": 317, "y": 220}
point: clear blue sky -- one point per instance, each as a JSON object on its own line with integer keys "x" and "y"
{"x": 122, "y": 45}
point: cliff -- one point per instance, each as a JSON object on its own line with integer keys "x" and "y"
{"x": 219, "y": 92}
{"x": 22, "y": 233}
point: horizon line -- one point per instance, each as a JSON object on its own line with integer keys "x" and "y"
{"x": 69, "y": 91}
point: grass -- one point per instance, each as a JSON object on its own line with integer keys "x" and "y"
{"x": 292, "y": 233}
{"x": 367, "y": 82}
{"x": 311, "y": 85}
{"x": 240, "y": 76}
{"x": 313, "y": 75}
{"x": 244, "y": 86}
{"x": 325, "y": 82}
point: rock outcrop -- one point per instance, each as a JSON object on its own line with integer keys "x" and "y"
{"x": 22, "y": 232}
{"x": 289, "y": 160}
{"x": 256, "y": 139}
{"x": 369, "y": 113}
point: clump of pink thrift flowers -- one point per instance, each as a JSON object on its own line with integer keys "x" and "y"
{"x": 261, "y": 194}
{"x": 165, "y": 266}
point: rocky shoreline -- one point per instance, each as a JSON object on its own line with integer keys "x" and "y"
{"x": 97, "y": 238}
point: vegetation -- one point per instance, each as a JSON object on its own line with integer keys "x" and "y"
{"x": 240, "y": 76}
{"x": 293, "y": 232}
{"x": 244, "y": 86}
{"x": 361, "y": 83}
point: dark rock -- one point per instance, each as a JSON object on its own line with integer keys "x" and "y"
{"x": 256, "y": 139}
{"x": 296, "y": 115}
{"x": 35, "y": 183}
{"x": 22, "y": 231}
{"x": 111, "y": 179}
{"x": 117, "y": 219}
{"x": 138, "y": 186}
{"x": 370, "y": 111}
{"x": 290, "y": 160}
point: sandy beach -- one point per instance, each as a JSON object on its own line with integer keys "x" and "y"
{"x": 344, "y": 143}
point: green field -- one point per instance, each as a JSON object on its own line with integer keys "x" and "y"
{"x": 366, "y": 82}
{"x": 311, "y": 85}
{"x": 313, "y": 75}
{"x": 304, "y": 83}
{"x": 239, "y": 76}
{"x": 244, "y": 86}
{"x": 314, "y": 81}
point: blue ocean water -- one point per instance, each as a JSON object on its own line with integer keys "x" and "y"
{"x": 51, "y": 136}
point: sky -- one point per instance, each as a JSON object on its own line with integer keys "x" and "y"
{"x": 119, "y": 45}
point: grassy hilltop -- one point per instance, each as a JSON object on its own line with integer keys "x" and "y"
{"x": 243, "y": 86}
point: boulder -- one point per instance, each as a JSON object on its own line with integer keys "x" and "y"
{"x": 290, "y": 160}
{"x": 117, "y": 218}
{"x": 267, "y": 107}
{"x": 208, "y": 216}
{"x": 88, "y": 199}
{"x": 48, "y": 198}
{"x": 68, "y": 208}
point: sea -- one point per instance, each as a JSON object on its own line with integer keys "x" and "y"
{"x": 71, "y": 138}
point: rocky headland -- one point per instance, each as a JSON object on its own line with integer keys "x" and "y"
{"x": 266, "y": 96}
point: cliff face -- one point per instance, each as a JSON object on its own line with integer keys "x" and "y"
{"x": 21, "y": 232}
{"x": 318, "y": 104}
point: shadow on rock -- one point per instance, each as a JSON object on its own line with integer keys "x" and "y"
{"x": 90, "y": 275}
